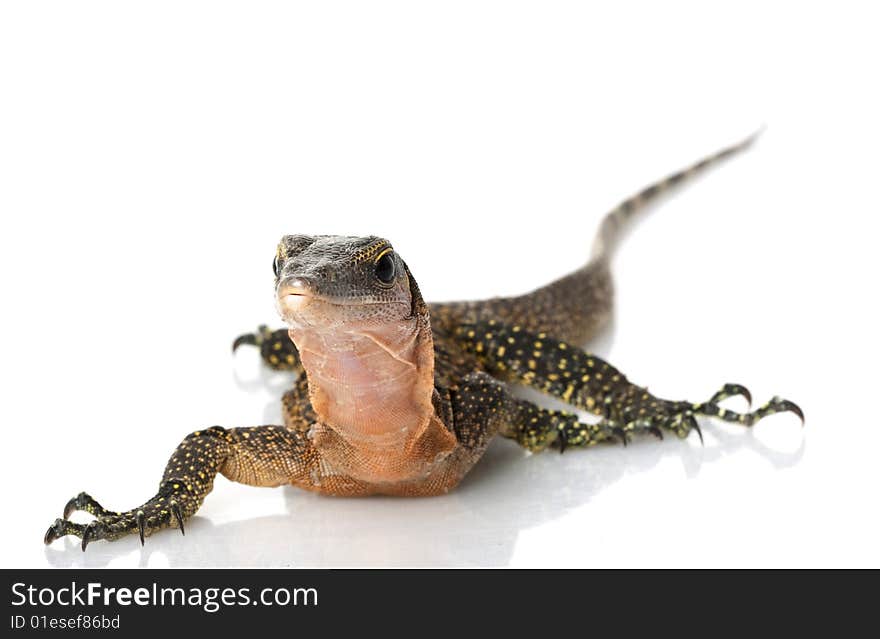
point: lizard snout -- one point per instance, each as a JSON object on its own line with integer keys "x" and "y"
{"x": 293, "y": 294}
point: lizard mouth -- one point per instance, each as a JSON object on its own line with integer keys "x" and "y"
{"x": 293, "y": 296}
{"x": 296, "y": 294}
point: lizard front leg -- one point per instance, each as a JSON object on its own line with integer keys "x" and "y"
{"x": 257, "y": 456}
{"x": 592, "y": 384}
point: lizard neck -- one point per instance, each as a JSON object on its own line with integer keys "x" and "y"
{"x": 371, "y": 386}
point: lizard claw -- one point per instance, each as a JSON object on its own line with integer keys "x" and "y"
{"x": 60, "y": 528}
{"x": 178, "y": 515}
{"x": 88, "y": 532}
{"x": 731, "y": 390}
{"x": 252, "y": 339}
{"x": 562, "y": 436}
{"x": 692, "y": 423}
{"x": 249, "y": 338}
{"x": 85, "y": 502}
{"x": 745, "y": 393}
{"x": 52, "y": 534}
{"x": 71, "y": 506}
{"x": 783, "y": 405}
{"x": 140, "y": 518}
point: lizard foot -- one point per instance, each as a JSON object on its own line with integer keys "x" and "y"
{"x": 680, "y": 417}
{"x": 170, "y": 507}
{"x": 252, "y": 339}
{"x": 639, "y": 413}
{"x": 775, "y": 405}
{"x": 276, "y": 348}
{"x": 629, "y": 414}
{"x": 540, "y": 428}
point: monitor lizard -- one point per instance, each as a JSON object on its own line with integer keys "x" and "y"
{"x": 399, "y": 397}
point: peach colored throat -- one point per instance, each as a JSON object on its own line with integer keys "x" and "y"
{"x": 372, "y": 392}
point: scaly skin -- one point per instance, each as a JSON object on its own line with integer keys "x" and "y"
{"x": 398, "y": 397}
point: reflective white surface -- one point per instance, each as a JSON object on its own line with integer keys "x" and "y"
{"x": 149, "y": 166}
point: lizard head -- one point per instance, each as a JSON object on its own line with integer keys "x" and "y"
{"x": 332, "y": 282}
{"x": 361, "y": 328}
{"x": 363, "y": 335}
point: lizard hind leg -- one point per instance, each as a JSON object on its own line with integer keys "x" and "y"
{"x": 588, "y": 382}
{"x": 537, "y": 428}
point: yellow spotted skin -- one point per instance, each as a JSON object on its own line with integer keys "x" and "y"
{"x": 259, "y": 456}
{"x": 480, "y": 349}
{"x": 589, "y": 383}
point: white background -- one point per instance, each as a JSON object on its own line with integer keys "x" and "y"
{"x": 152, "y": 154}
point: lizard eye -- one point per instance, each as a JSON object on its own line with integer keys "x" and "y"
{"x": 276, "y": 266}
{"x": 385, "y": 267}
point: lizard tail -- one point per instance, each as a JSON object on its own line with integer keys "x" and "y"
{"x": 574, "y": 307}
{"x": 616, "y": 220}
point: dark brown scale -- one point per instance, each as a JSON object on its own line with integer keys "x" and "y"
{"x": 574, "y": 307}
